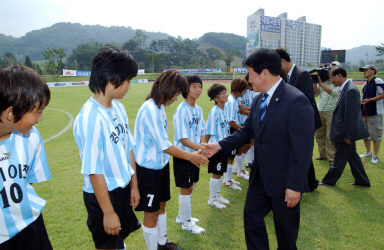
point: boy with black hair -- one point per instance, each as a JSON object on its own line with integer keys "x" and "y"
{"x": 23, "y": 97}
{"x": 106, "y": 144}
{"x": 189, "y": 125}
{"x": 217, "y": 129}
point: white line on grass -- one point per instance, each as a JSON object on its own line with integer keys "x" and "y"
{"x": 69, "y": 125}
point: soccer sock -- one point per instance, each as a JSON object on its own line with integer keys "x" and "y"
{"x": 228, "y": 174}
{"x": 239, "y": 163}
{"x": 162, "y": 229}
{"x": 248, "y": 157}
{"x": 212, "y": 191}
{"x": 252, "y": 153}
{"x": 150, "y": 237}
{"x": 218, "y": 185}
{"x": 185, "y": 207}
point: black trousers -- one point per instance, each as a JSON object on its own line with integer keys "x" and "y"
{"x": 346, "y": 153}
{"x": 312, "y": 181}
{"x": 257, "y": 205}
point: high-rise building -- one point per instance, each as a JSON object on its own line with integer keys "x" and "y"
{"x": 302, "y": 40}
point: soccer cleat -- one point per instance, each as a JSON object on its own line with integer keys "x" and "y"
{"x": 216, "y": 203}
{"x": 193, "y": 220}
{"x": 243, "y": 174}
{"x": 232, "y": 185}
{"x": 192, "y": 228}
{"x": 366, "y": 154}
{"x": 169, "y": 245}
{"x": 375, "y": 160}
{"x": 221, "y": 199}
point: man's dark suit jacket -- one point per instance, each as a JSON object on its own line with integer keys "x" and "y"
{"x": 303, "y": 81}
{"x": 283, "y": 144}
{"x": 347, "y": 121}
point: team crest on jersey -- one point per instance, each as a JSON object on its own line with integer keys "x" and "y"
{"x": 5, "y": 157}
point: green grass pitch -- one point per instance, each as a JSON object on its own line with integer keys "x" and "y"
{"x": 340, "y": 217}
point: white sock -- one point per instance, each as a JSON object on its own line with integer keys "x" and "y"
{"x": 218, "y": 185}
{"x": 150, "y": 237}
{"x": 212, "y": 191}
{"x": 185, "y": 207}
{"x": 248, "y": 157}
{"x": 228, "y": 174}
{"x": 162, "y": 229}
{"x": 239, "y": 162}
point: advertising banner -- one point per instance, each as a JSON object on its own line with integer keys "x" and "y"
{"x": 67, "y": 84}
{"x": 83, "y": 73}
{"x": 69, "y": 72}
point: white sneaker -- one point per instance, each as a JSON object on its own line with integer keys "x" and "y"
{"x": 193, "y": 220}
{"x": 375, "y": 160}
{"x": 192, "y": 228}
{"x": 243, "y": 174}
{"x": 234, "y": 170}
{"x": 232, "y": 185}
{"x": 216, "y": 203}
{"x": 366, "y": 154}
{"x": 221, "y": 199}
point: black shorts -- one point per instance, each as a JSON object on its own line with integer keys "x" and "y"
{"x": 120, "y": 199}
{"x": 153, "y": 187}
{"x": 218, "y": 163}
{"x": 233, "y": 153}
{"x": 185, "y": 173}
{"x": 33, "y": 237}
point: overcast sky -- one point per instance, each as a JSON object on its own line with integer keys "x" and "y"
{"x": 345, "y": 23}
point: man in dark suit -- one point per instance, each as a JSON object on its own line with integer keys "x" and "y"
{"x": 347, "y": 127}
{"x": 281, "y": 124}
{"x": 302, "y": 80}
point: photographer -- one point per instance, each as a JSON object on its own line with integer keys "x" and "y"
{"x": 328, "y": 95}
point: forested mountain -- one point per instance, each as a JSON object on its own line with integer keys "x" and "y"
{"x": 70, "y": 35}
{"x": 224, "y": 41}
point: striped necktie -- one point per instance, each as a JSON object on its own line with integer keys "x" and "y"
{"x": 263, "y": 107}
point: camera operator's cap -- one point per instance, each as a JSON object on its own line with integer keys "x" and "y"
{"x": 368, "y": 66}
{"x": 335, "y": 63}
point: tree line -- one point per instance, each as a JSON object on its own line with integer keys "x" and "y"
{"x": 158, "y": 55}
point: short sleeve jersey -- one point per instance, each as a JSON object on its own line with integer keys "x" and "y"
{"x": 246, "y": 100}
{"x": 22, "y": 162}
{"x": 232, "y": 109}
{"x": 188, "y": 122}
{"x": 217, "y": 124}
{"x": 151, "y": 136}
{"x": 104, "y": 141}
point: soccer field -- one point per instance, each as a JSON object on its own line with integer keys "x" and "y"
{"x": 340, "y": 217}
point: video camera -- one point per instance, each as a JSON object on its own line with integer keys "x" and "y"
{"x": 323, "y": 73}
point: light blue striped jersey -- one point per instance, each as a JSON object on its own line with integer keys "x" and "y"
{"x": 22, "y": 162}
{"x": 246, "y": 100}
{"x": 217, "y": 124}
{"x": 232, "y": 109}
{"x": 104, "y": 141}
{"x": 151, "y": 136}
{"x": 188, "y": 122}
{"x": 252, "y": 96}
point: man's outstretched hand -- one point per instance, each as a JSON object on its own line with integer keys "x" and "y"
{"x": 209, "y": 149}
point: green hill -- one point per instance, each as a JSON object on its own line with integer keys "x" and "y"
{"x": 70, "y": 35}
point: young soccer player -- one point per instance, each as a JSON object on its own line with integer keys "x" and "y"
{"x": 152, "y": 152}
{"x": 217, "y": 129}
{"x": 244, "y": 102}
{"x": 23, "y": 97}
{"x": 105, "y": 143}
{"x": 189, "y": 125}
{"x": 238, "y": 88}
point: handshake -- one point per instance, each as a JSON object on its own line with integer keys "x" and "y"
{"x": 207, "y": 150}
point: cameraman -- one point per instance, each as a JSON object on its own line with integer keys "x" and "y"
{"x": 328, "y": 95}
